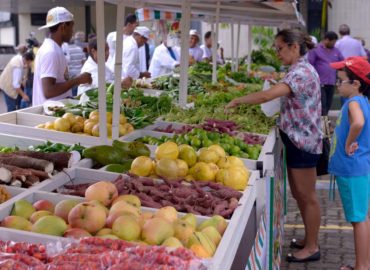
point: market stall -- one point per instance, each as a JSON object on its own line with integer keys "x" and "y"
{"x": 253, "y": 230}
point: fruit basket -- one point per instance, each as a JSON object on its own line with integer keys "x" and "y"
{"x": 224, "y": 254}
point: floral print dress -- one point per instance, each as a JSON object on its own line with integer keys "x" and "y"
{"x": 300, "y": 117}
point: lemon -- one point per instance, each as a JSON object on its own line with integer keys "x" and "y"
{"x": 208, "y": 155}
{"x": 218, "y": 149}
{"x": 187, "y": 154}
{"x": 77, "y": 127}
{"x": 88, "y": 126}
{"x": 62, "y": 124}
{"x": 70, "y": 117}
{"x": 142, "y": 166}
{"x": 203, "y": 172}
{"x": 49, "y": 125}
{"x": 167, "y": 150}
{"x": 233, "y": 177}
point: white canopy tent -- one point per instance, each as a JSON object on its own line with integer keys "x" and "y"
{"x": 251, "y": 12}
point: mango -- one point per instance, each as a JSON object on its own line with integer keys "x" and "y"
{"x": 16, "y": 222}
{"x": 23, "y": 208}
{"x": 51, "y": 225}
{"x": 156, "y": 230}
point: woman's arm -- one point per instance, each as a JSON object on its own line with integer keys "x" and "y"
{"x": 278, "y": 90}
{"x": 357, "y": 122}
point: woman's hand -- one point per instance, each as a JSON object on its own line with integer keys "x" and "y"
{"x": 232, "y": 104}
{"x": 351, "y": 148}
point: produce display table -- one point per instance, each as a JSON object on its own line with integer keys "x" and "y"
{"x": 238, "y": 241}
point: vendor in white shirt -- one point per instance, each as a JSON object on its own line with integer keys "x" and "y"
{"x": 130, "y": 24}
{"x": 207, "y": 49}
{"x": 165, "y": 59}
{"x": 51, "y": 70}
{"x": 91, "y": 66}
{"x": 195, "y": 52}
{"x": 130, "y": 55}
{"x": 12, "y": 77}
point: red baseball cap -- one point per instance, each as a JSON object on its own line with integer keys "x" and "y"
{"x": 357, "y": 64}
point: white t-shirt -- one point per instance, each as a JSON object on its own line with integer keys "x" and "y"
{"x": 50, "y": 62}
{"x": 207, "y": 54}
{"x": 196, "y": 53}
{"x": 162, "y": 62}
{"x": 130, "y": 59}
{"x": 90, "y": 66}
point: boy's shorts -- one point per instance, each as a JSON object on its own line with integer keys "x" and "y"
{"x": 355, "y": 193}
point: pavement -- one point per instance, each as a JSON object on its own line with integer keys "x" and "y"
{"x": 336, "y": 235}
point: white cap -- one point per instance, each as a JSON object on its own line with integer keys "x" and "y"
{"x": 57, "y": 15}
{"x": 193, "y": 32}
{"x": 143, "y": 31}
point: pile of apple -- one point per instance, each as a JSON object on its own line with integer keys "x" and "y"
{"x": 173, "y": 162}
{"x": 77, "y": 124}
{"x": 107, "y": 215}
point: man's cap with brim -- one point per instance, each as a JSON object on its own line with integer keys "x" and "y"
{"x": 357, "y": 64}
{"x": 56, "y": 16}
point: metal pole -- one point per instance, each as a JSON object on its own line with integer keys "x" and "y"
{"x": 118, "y": 70}
{"x": 249, "y": 62}
{"x": 214, "y": 44}
{"x": 232, "y": 48}
{"x": 100, "y": 25}
{"x": 185, "y": 27}
{"x": 237, "y": 47}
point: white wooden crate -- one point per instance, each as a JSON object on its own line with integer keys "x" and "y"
{"x": 225, "y": 252}
{"x": 249, "y": 163}
{"x": 23, "y": 124}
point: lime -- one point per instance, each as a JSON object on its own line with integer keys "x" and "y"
{"x": 207, "y": 143}
{"x": 195, "y": 142}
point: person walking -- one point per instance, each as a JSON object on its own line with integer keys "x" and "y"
{"x": 51, "y": 72}
{"x": 350, "y": 153}
{"x": 348, "y": 45}
{"x": 12, "y": 79}
{"x": 321, "y": 57}
{"x": 300, "y": 131}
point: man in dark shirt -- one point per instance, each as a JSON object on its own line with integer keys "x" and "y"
{"x": 321, "y": 57}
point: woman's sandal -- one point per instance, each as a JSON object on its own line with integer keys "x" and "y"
{"x": 314, "y": 257}
{"x": 294, "y": 244}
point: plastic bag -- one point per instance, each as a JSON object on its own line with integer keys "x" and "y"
{"x": 272, "y": 107}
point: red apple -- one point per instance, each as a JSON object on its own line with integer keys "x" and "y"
{"x": 103, "y": 191}
{"x": 87, "y": 216}
{"x": 44, "y": 205}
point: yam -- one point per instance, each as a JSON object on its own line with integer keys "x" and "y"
{"x": 27, "y": 162}
{"x": 60, "y": 160}
{"x": 5, "y": 175}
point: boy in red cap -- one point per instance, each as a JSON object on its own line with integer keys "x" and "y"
{"x": 350, "y": 152}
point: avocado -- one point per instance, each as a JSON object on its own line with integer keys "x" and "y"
{"x": 119, "y": 168}
{"x": 105, "y": 154}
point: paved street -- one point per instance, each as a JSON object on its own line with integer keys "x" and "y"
{"x": 336, "y": 240}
